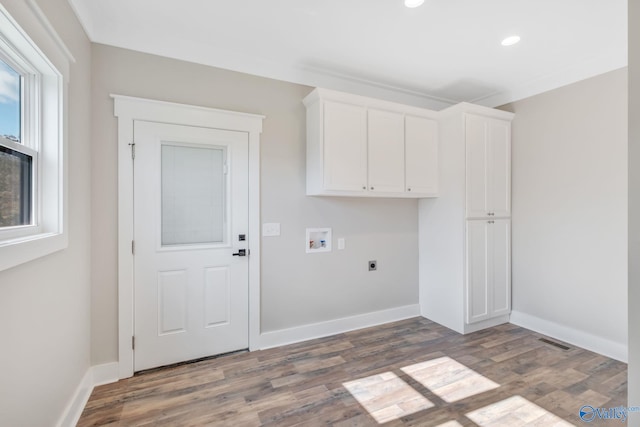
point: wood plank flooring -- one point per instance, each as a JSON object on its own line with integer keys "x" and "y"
{"x": 408, "y": 373}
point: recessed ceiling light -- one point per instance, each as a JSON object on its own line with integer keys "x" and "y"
{"x": 511, "y": 40}
{"x": 413, "y": 3}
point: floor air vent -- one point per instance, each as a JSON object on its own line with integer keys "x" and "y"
{"x": 555, "y": 344}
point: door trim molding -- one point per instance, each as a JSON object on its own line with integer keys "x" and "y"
{"x": 127, "y": 110}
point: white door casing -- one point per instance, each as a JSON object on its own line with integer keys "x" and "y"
{"x": 128, "y": 110}
{"x": 190, "y": 209}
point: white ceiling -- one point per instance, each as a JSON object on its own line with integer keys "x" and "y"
{"x": 441, "y": 53}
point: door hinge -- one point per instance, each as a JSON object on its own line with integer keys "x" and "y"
{"x": 133, "y": 150}
{"x": 133, "y": 343}
{"x": 133, "y": 247}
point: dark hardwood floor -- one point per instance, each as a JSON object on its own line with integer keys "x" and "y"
{"x": 413, "y": 373}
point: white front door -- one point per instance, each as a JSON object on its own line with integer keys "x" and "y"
{"x": 190, "y": 232}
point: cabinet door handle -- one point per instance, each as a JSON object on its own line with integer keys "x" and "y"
{"x": 364, "y": 187}
{"x": 372, "y": 188}
{"x": 408, "y": 189}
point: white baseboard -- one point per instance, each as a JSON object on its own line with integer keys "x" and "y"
{"x": 74, "y": 408}
{"x": 95, "y": 376}
{"x": 597, "y": 344}
{"x": 337, "y": 326}
{"x": 105, "y": 374}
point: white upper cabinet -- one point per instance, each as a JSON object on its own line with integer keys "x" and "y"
{"x": 386, "y": 151}
{"x": 345, "y": 147}
{"x": 364, "y": 147}
{"x": 488, "y": 181}
{"x": 421, "y": 153}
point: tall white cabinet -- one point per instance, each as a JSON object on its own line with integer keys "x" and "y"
{"x": 465, "y": 234}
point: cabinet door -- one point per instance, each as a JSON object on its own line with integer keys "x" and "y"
{"x": 488, "y": 167}
{"x": 345, "y": 147}
{"x": 476, "y": 129}
{"x": 488, "y": 269}
{"x": 499, "y": 168}
{"x": 386, "y": 151}
{"x": 500, "y": 258}
{"x": 421, "y": 153}
{"x": 477, "y": 270}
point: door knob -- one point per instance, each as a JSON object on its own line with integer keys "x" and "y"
{"x": 241, "y": 252}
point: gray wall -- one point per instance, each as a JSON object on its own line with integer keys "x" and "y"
{"x": 297, "y": 288}
{"x": 45, "y": 304}
{"x": 634, "y": 209}
{"x": 570, "y": 207}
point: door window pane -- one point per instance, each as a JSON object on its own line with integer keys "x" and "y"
{"x": 9, "y": 103}
{"x": 193, "y": 195}
{"x": 15, "y": 187}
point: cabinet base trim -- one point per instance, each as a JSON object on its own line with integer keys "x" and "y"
{"x": 597, "y": 344}
{"x": 466, "y": 328}
{"x": 489, "y": 323}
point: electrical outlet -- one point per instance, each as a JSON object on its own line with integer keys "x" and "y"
{"x": 373, "y": 265}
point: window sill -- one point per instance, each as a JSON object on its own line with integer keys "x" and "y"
{"x": 20, "y": 250}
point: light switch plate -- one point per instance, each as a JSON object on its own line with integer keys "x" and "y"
{"x": 341, "y": 243}
{"x": 271, "y": 229}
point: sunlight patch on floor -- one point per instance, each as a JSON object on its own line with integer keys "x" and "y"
{"x": 450, "y": 380}
{"x": 515, "y": 411}
{"x": 386, "y": 397}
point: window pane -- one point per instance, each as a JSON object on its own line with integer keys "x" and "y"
{"x": 15, "y": 187}
{"x": 9, "y": 103}
{"x": 193, "y": 195}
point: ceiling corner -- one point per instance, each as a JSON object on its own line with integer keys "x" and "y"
{"x": 81, "y": 9}
{"x": 613, "y": 60}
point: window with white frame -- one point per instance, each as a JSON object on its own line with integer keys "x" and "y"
{"x": 31, "y": 149}
{"x": 18, "y": 160}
